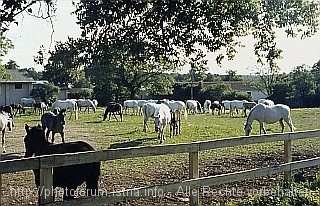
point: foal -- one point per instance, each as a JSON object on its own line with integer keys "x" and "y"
{"x": 175, "y": 123}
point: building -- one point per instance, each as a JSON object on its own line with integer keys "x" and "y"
{"x": 20, "y": 85}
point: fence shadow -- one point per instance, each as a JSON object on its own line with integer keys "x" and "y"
{"x": 11, "y": 156}
{"x": 133, "y": 143}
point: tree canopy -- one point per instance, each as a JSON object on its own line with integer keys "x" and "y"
{"x": 133, "y": 40}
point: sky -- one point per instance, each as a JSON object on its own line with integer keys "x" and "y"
{"x": 31, "y": 33}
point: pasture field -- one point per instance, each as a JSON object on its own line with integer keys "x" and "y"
{"x": 138, "y": 172}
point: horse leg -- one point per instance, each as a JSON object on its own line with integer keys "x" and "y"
{"x": 290, "y": 124}
{"x": 115, "y": 116}
{"x": 145, "y": 124}
{"x": 52, "y": 140}
{"x": 62, "y": 136}
{"x": 3, "y": 142}
{"x": 262, "y": 128}
{"x": 47, "y": 133}
{"x": 282, "y": 125}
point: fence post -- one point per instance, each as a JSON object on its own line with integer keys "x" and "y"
{"x": 193, "y": 173}
{"x": 287, "y": 158}
{"x": 46, "y": 186}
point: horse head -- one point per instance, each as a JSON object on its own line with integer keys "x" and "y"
{"x": 247, "y": 129}
{"x": 62, "y": 116}
{"x": 34, "y": 138}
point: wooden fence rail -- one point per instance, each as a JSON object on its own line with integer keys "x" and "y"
{"x": 47, "y": 162}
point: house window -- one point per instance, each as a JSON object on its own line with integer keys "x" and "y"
{"x": 17, "y": 86}
{"x": 250, "y": 93}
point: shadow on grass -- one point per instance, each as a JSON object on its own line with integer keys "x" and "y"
{"x": 133, "y": 143}
{"x": 11, "y": 156}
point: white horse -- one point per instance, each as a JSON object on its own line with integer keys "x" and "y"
{"x": 5, "y": 121}
{"x": 177, "y": 105}
{"x": 141, "y": 102}
{"x": 192, "y": 106}
{"x": 162, "y": 118}
{"x": 226, "y": 105}
{"x": 27, "y": 102}
{"x": 133, "y": 104}
{"x": 207, "y": 105}
{"x": 67, "y": 104}
{"x": 266, "y": 102}
{"x": 235, "y": 105}
{"x": 87, "y": 103}
{"x": 268, "y": 114}
{"x": 148, "y": 110}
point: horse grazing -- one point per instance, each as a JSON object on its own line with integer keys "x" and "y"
{"x": 40, "y": 106}
{"x": 5, "y": 121}
{"x": 27, "y": 102}
{"x": 175, "y": 123}
{"x": 67, "y": 104}
{"x": 177, "y": 105}
{"x": 131, "y": 104}
{"x": 87, "y": 103}
{"x": 192, "y": 106}
{"x": 268, "y": 114}
{"x": 216, "y": 106}
{"x": 67, "y": 177}
{"x": 162, "y": 118}
{"x": 148, "y": 110}
{"x": 248, "y": 105}
{"x": 207, "y": 105}
{"x": 113, "y": 108}
{"x": 19, "y": 109}
{"x": 54, "y": 123}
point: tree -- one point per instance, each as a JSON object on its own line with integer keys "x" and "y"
{"x": 232, "y": 76}
{"x": 5, "y": 45}
{"x": 46, "y": 93}
{"x": 64, "y": 64}
{"x": 11, "y": 64}
{"x": 303, "y": 84}
{"x": 10, "y": 10}
{"x": 33, "y": 73}
{"x": 174, "y": 28}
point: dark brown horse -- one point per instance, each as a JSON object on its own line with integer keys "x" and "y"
{"x": 41, "y": 107}
{"x": 67, "y": 177}
{"x": 216, "y": 106}
{"x": 175, "y": 123}
{"x": 113, "y": 108}
{"x": 54, "y": 123}
{"x": 19, "y": 109}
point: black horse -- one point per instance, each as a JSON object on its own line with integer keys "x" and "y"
{"x": 19, "y": 108}
{"x": 67, "y": 177}
{"x": 40, "y": 106}
{"x": 54, "y": 123}
{"x": 217, "y": 106}
{"x": 113, "y": 108}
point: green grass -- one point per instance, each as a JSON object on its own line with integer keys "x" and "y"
{"x": 135, "y": 172}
